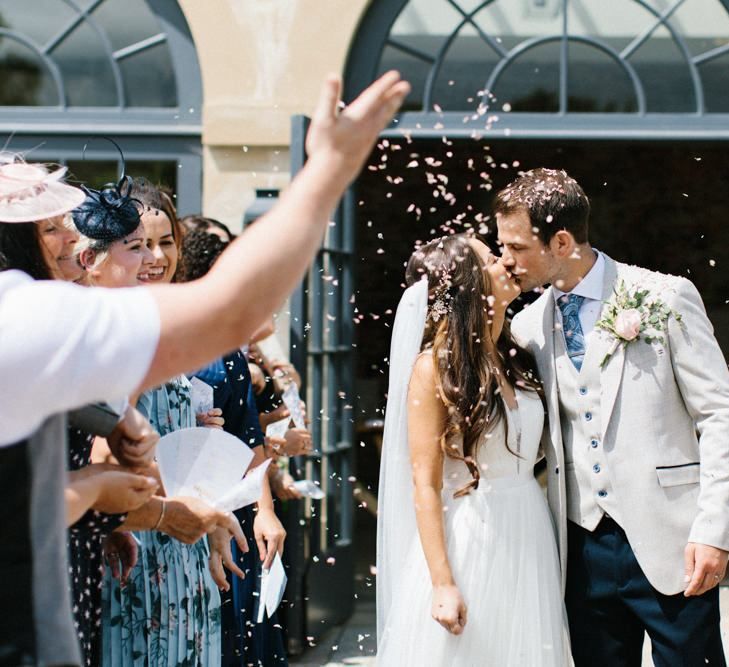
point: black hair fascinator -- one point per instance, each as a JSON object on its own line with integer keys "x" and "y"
{"x": 108, "y": 214}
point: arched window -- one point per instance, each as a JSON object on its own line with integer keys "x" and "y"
{"x": 582, "y": 67}
{"x": 72, "y": 70}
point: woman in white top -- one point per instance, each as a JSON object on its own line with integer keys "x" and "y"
{"x": 468, "y": 569}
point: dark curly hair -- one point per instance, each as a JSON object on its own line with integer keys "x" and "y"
{"x": 200, "y": 249}
{"x": 199, "y": 222}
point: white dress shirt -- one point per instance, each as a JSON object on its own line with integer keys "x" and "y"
{"x": 589, "y": 287}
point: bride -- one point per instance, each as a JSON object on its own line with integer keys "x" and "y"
{"x": 467, "y": 564}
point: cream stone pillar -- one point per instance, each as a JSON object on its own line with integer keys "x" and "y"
{"x": 262, "y": 61}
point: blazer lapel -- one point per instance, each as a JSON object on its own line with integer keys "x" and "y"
{"x": 611, "y": 374}
{"x": 549, "y": 374}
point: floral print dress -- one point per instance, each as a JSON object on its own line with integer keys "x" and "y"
{"x": 168, "y": 612}
{"x": 86, "y": 560}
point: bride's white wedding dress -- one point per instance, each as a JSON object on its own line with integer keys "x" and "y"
{"x": 503, "y": 555}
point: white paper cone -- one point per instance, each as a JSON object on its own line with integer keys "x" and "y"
{"x": 204, "y": 463}
{"x": 292, "y": 400}
{"x": 246, "y": 491}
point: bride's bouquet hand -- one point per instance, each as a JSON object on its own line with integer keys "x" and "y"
{"x": 449, "y": 609}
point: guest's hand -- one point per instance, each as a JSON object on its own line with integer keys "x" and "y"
{"x": 344, "y": 140}
{"x": 121, "y": 552}
{"x": 266, "y": 418}
{"x": 274, "y": 447}
{"x": 133, "y": 440}
{"x": 298, "y": 442}
{"x": 120, "y": 492}
{"x": 221, "y": 556}
{"x": 449, "y": 609}
{"x": 705, "y": 568}
{"x": 211, "y": 419}
{"x": 188, "y": 519}
{"x": 282, "y": 484}
{"x": 269, "y": 534}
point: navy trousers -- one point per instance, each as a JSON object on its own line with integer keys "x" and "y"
{"x": 610, "y": 604}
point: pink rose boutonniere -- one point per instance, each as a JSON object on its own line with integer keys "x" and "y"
{"x": 632, "y": 315}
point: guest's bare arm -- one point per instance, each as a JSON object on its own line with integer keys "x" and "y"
{"x": 209, "y": 317}
{"x": 109, "y": 491}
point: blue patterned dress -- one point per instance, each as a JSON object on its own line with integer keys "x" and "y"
{"x": 168, "y": 612}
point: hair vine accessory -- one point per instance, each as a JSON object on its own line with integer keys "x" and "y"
{"x": 443, "y": 302}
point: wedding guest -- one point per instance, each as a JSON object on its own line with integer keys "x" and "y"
{"x": 97, "y": 497}
{"x": 140, "y": 337}
{"x": 244, "y": 640}
{"x": 111, "y": 245}
{"x": 178, "y": 618}
{"x": 269, "y": 379}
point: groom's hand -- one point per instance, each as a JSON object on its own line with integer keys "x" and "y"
{"x": 705, "y": 568}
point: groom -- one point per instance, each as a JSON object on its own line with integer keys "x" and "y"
{"x": 637, "y": 391}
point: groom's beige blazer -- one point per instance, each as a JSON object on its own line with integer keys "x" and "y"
{"x": 665, "y": 422}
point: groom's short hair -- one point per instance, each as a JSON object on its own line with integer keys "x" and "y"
{"x": 553, "y": 200}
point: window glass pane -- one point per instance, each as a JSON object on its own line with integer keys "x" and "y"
{"x": 437, "y": 18}
{"x": 149, "y": 79}
{"x": 96, "y": 173}
{"x": 160, "y": 172}
{"x": 85, "y": 48}
{"x": 25, "y": 80}
{"x": 606, "y": 33}
{"x": 715, "y": 77}
{"x": 664, "y": 72}
{"x": 86, "y": 68}
{"x": 415, "y": 70}
{"x": 39, "y": 20}
{"x": 511, "y": 23}
{"x": 126, "y": 22}
{"x": 531, "y": 83}
{"x": 615, "y": 23}
{"x": 463, "y": 75}
{"x": 703, "y": 23}
{"x": 92, "y": 173}
{"x": 587, "y": 65}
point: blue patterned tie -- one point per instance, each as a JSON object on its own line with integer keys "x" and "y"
{"x": 570, "y": 304}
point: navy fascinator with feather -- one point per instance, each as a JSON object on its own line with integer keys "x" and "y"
{"x": 109, "y": 214}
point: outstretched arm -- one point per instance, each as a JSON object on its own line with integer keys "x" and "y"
{"x": 91, "y": 344}
{"x": 211, "y": 316}
{"x": 426, "y": 419}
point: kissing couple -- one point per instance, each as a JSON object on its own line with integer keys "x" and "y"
{"x": 615, "y": 377}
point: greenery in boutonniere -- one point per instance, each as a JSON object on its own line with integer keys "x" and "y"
{"x": 633, "y": 315}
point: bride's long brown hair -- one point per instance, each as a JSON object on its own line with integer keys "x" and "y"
{"x": 468, "y": 362}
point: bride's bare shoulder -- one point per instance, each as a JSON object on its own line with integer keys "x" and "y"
{"x": 424, "y": 369}
{"x": 424, "y": 385}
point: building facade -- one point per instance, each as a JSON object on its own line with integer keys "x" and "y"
{"x": 630, "y": 96}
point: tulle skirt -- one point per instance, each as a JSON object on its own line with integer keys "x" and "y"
{"x": 503, "y": 556}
